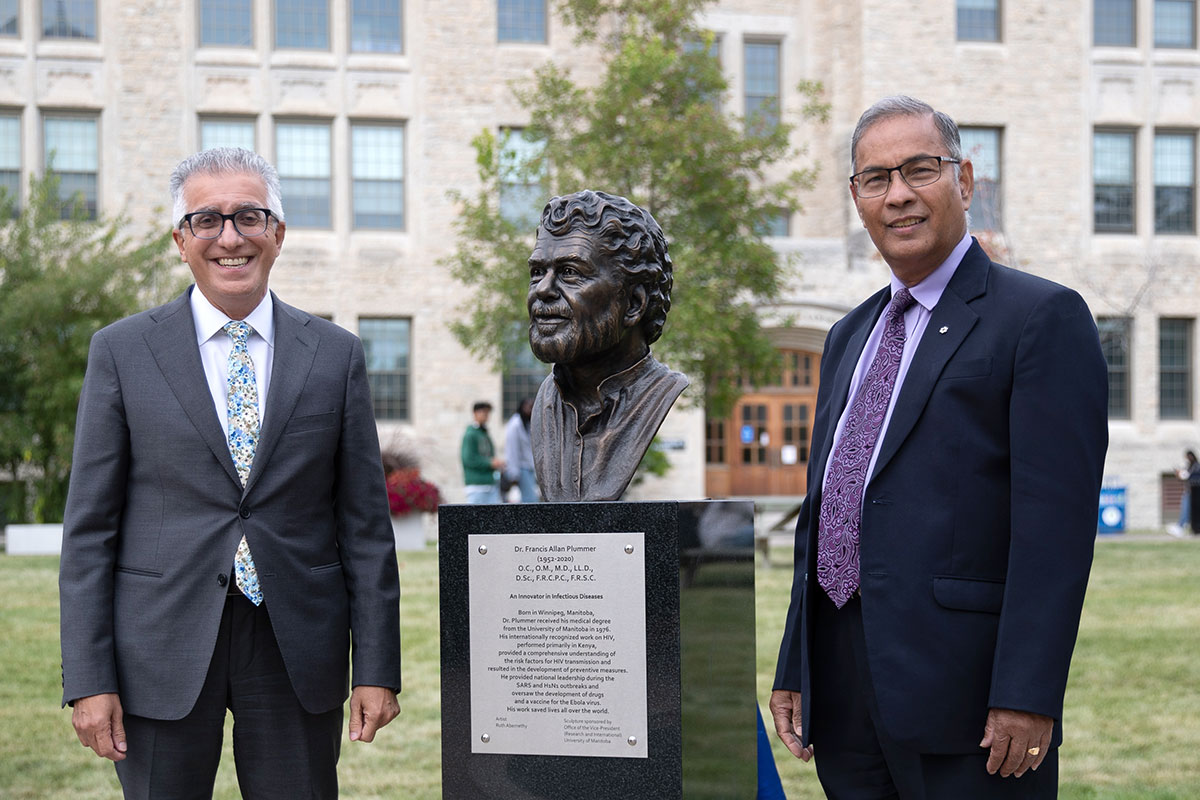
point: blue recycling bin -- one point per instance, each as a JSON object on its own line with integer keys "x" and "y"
{"x": 1112, "y": 510}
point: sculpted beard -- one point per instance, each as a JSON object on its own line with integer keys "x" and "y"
{"x": 579, "y": 338}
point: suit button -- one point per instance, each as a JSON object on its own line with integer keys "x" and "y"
{"x": 222, "y": 579}
{"x": 244, "y": 512}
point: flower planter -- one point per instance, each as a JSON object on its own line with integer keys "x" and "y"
{"x": 409, "y": 530}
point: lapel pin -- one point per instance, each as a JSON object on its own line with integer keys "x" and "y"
{"x": 943, "y": 329}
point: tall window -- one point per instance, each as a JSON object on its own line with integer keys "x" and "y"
{"x": 387, "y": 345}
{"x": 1115, "y": 344}
{"x": 521, "y": 20}
{"x": 1112, "y": 23}
{"x": 10, "y": 157}
{"x": 1175, "y": 23}
{"x": 72, "y": 153}
{"x": 302, "y": 158}
{"x": 69, "y": 19}
{"x": 1175, "y": 369}
{"x": 10, "y": 18}
{"x": 1174, "y": 183}
{"x": 761, "y": 61}
{"x": 979, "y": 20}
{"x": 226, "y": 23}
{"x": 1112, "y": 178}
{"x": 227, "y": 133}
{"x": 982, "y": 146}
{"x": 713, "y": 51}
{"x": 377, "y": 169}
{"x": 376, "y": 26}
{"x": 302, "y": 24}
{"x": 523, "y": 374}
{"x": 522, "y": 189}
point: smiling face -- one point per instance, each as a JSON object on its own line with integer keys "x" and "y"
{"x": 579, "y": 306}
{"x": 230, "y": 270}
{"x": 913, "y": 229}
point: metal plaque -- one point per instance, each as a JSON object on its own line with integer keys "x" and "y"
{"x": 558, "y": 644}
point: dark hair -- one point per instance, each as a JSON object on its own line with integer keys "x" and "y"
{"x": 629, "y": 236}
{"x": 482, "y": 405}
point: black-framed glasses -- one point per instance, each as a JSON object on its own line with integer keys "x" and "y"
{"x": 916, "y": 172}
{"x": 209, "y": 224}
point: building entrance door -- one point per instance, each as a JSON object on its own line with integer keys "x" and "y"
{"x": 762, "y": 448}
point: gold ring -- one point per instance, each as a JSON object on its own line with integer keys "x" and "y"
{"x": 1033, "y": 751}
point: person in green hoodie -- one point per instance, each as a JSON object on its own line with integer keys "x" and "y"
{"x": 479, "y": 458}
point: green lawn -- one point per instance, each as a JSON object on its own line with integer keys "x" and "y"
{"x": 1132, "y": 718}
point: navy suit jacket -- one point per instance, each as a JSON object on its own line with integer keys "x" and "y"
{"x": 155, "y": 511}
{"x": 979, "y": 519}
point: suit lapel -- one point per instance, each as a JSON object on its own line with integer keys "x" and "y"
{"x": 172, "y": 342}
{"x": 952, "y": 314}
{"x": 295, "y": 349}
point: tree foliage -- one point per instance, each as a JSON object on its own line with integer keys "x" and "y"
{"x": 651, "y": 128}
{"x": 60, "y": 282}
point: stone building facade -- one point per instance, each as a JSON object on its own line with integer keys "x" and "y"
{"x": 1081, "y": 116}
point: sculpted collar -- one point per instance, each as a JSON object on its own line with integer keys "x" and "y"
{"x": 609, "y": 390}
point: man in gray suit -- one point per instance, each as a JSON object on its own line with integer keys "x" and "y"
{"x": 227, "y": 533}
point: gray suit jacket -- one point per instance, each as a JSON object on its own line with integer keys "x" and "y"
{"x": 155, "y": 512}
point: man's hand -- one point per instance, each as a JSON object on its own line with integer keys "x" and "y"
{"x": 785, "y": 711}
{"x": 99, "y": 724}
{"x": 371, "y": 707}
{"x": 1011, "y": 735}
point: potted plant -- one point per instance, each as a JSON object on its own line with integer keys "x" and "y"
{"x": 409, "y": 498}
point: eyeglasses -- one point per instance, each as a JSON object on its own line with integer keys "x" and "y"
{"x": 209, "y": 224}
{"x": 916, "y": 172}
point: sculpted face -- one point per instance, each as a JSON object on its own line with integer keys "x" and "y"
{"x": 577, "y": 303}
{"x": 913, "y": 229}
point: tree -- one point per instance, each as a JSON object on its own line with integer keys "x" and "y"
{"x": 652, "y": 130}
{"x": 60, "y": 282}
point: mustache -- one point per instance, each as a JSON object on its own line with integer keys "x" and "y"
{"x": 544, "y": 310}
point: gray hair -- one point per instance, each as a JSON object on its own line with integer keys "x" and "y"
{"x": 224, "y": 161}
{"x": 903, "y": 106}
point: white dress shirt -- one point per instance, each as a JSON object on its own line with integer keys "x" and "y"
{"x": 215, "y": 346}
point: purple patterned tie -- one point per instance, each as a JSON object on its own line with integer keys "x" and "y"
{"x": 841, "y": 501}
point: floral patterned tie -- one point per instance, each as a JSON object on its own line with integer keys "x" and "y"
{"x": 241, "y": 408}
{"x": 841, "y": 501}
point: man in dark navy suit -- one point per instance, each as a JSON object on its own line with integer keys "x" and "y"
{"x": 943, "y": 550}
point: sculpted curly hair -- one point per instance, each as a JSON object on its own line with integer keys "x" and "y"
{"x": 627, "y": 235}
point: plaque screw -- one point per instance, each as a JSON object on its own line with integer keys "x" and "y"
{"x": 629, "y": 549}
{"x": 632, "y": 741}
{"x": 483, "y": 552}
{"x": 485, "y": 738}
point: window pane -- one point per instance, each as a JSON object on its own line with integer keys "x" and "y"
{"x": 978, "y": 20}
{"x": 386, "y": 343}
{"x": 1174, "y": 368}
{"x": 376, "y": 26}
{"x": 9, "y": 18}
{"x": 522, "y": 193}
{"x": 523, "y": 374}
{"x": 1175, "y": 23}
{"x": 1114, "y": 343}
{"x": 982, "y": 146}
{"x": 226, "y": 133}
{"x": 1113, "y": 23}
{"x": 225, "y": 23}
{"x": 302, "y": 24}
{"x": 1112, "y": 175}
{"x": 521, "y": 20}
{"x": 72, "y": 152}
{"x": 377, "y": 170}
{"x": 1174, "y": 183}
{"x": 762, "y": 83}
{"x": 304, "y": 172}
{"x": 10, "y": 157}
{"x": 777, "y": 224}
{"x": 69, "y": 19}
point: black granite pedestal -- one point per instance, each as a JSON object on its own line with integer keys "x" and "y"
{"x": 699, "y": 656}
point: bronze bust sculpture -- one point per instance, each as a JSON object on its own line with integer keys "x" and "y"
{"x": 599, "y": 291}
